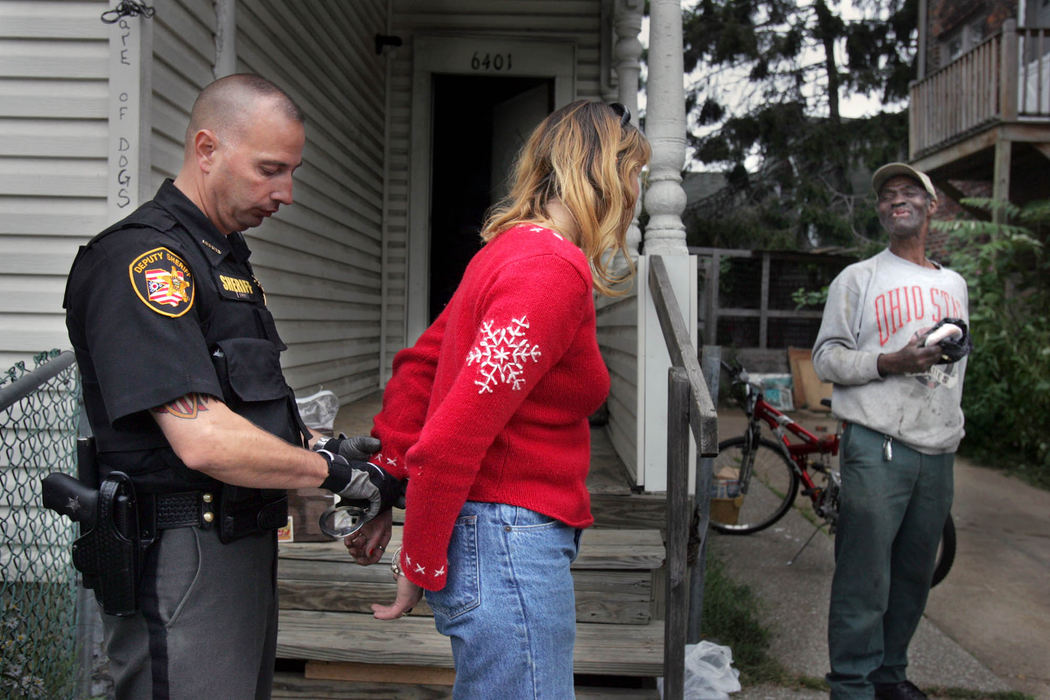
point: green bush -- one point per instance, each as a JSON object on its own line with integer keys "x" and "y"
{"x": 1007, "y": 394}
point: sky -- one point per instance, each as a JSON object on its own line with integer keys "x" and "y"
{"x": 851, "y": 106}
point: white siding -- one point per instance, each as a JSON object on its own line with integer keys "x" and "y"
{"x": 618, "y": 340}
{"x": 319, "y": 260}
{"x": 183, "y": 55}
{"x": 53, "y": 114}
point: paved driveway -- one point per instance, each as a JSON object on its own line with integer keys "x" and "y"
{"x": 987, "y": 626}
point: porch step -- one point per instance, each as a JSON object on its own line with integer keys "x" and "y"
{"x": 313, "y": 635}
{"x": 300, "y": 686}
{"x": 325, "y": 614}
{"x": 613, "y": 577}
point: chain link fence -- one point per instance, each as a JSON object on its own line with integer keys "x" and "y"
{"x": 38, "y": 585}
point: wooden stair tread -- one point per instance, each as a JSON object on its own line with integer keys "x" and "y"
{"x": 625, "y": 650}
{"x": 622, "y": 597}
{"x": 599, "y": 549}
{"x": 294, "y": 686}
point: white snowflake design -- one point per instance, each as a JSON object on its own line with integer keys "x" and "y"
{"x": 501, "y": 355}
{"x": 420, "y": 569}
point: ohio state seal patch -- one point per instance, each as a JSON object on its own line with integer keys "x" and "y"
{"x": 163, "y": 282}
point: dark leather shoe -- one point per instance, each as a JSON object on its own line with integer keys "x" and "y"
{"x": 905, "y": 690}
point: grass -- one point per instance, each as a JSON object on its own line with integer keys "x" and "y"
{"x": 730, "y": 617}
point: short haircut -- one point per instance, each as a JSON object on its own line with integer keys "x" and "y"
{"x": 224, "y": 104}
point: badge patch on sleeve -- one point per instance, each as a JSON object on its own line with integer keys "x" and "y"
{"x": 163, "y": 282}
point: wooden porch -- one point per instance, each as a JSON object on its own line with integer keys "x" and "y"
{"x": 329, "y": 645}
{"x": 986, "y": 116}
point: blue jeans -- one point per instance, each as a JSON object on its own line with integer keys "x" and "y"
{"x": 891, "y": 516}
{"x": 509, "y": 606}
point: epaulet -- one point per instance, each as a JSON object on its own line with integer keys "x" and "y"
{"x": 149, "y": 215}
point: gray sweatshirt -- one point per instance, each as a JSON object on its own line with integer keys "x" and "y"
{"x": 874, "y": 307}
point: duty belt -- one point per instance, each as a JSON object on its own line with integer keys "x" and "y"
{"x": 185, "y": 509}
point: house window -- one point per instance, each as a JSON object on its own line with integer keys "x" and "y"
{"x": 963, "y": 38}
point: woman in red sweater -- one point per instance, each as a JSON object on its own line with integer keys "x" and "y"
{"x": 486, "y": 415}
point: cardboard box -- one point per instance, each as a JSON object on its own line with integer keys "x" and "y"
{"x": 809, "y": 390}
{"x": 726, "y": 510}
{"x": 304, "y": 508}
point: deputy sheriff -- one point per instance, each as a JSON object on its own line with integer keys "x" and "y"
{"x": 184, "y": 392}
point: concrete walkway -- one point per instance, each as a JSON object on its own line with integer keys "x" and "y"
{"x": 987, "y": 626}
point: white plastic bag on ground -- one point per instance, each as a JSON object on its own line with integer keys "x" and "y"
{"x": 318, "y": 410}
{"x": 709, "y": 672}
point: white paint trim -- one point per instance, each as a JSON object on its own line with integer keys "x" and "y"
{"x": 130, "y": 63}
{"x": 225, "y": 38}
{"x": 462, "y": 55}
{"x": 384, "y": 225}
{"x": 653, "y": 364}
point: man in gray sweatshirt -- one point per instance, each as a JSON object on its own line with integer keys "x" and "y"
{"x": 900, "y": 399}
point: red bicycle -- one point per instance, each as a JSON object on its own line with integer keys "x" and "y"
{"x": 756, "y": 480}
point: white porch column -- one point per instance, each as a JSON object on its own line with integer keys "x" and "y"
{"x": 665, "y": 127}
{"x": 627, "y": 53}
{"x": 225, "y": 38}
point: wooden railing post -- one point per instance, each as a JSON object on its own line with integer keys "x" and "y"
{"x": 710, "y": 363}
{"x": 1008, "y": 67}
{"x": 677, "y": 531}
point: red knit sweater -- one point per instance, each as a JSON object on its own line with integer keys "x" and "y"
{"x": 491, "y": 403}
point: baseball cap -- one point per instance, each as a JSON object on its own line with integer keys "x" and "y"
{"x": 893, "y": 169}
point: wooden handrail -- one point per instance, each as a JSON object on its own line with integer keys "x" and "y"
{"x": 689, "y": 406}
{"x": 702, "y": 416}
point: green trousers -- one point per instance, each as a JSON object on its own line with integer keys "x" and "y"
{"x": 892, "y": 512}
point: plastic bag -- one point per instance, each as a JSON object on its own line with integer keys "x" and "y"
{"x": 319, "y": 410}
{"x": 709, "y": 672}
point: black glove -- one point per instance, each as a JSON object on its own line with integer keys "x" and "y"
{"x": 357, "y": 447}
{"x": 362, "y": 483}
{"x": 953, "y": 348}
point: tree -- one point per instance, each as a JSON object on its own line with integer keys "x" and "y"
{"x": 1007, "y": 394}
{"x": 767, "y": 111}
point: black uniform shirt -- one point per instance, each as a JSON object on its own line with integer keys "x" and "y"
{"x": 161, "y": 305}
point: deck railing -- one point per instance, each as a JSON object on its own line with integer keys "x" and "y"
{"x": 1005, "y": 78}
{"x": 689, "y": 405}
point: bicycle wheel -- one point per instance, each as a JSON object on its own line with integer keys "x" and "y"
{"x": 770, "y": 493}
{"x": 946, "y": 552}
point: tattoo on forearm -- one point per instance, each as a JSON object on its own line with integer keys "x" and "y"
{"x": 187, "y": 406}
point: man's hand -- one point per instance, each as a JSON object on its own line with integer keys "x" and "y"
{"x": 367, "y": 545}
{"x": 364, "y": 482}
{"x": 349, "y": 448}
{"x": 911, "y": 359}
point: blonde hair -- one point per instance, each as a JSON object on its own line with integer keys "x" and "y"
{"x": 584, "y": 157}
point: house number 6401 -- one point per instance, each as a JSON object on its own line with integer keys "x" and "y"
{"x": 490, "y": 61}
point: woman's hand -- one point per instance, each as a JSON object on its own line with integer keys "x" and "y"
{"x": 408, "y": 595}
{"x": 367, "y": 545}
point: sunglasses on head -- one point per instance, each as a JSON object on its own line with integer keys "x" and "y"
{"x": 622, "y": 111}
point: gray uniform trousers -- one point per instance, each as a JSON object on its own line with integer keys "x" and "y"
{"x": 207, "y": 620}
{"x": 891, "y": 517}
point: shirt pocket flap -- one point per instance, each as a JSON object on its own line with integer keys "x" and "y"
{"x": 252, "y": 368}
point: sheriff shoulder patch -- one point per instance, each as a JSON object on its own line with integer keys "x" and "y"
{"x": 163, "y": 282}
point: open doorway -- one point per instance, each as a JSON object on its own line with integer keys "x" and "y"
{"x": 480, "y": 123}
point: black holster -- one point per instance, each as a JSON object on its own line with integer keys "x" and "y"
{"x": 109, "y": 555}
